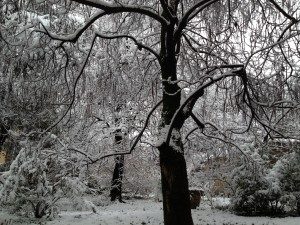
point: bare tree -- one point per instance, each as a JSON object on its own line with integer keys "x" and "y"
{"x": 197, "y": 45}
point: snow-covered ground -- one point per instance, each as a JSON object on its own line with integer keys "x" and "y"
{"x": 139, "y": 212}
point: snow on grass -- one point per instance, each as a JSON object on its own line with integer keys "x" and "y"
{"x": 142, "y": 212}
{"x": 203, "y": 215}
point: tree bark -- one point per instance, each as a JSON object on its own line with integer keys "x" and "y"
{"x": 3, "y": 134}
{"x": 176, "y": 199}
{"x": 116, "y": 184}
{"x": 3, "y": 137}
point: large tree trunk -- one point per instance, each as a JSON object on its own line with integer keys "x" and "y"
{"x": 176, "y": 199}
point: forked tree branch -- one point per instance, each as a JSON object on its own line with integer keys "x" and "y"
{"x": 190, "y": 14}
{"x": 166, "y": 9}
{"x": 197, "y": 121}
{"x": 195, "y": 95}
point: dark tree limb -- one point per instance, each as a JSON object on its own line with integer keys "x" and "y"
{"x": 138, "y": 44}
{"x": 190, "y": 14}
{"x": 76, "y": 35}
{"x": 121, "y": 8}
{"x": 191, "y": 100}
{"x": 197, "y": 121}
{"x": 74, "y": 88}
{"x": 281, "y": 10}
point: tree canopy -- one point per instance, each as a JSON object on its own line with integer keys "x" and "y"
{"x": 172, "y": 61}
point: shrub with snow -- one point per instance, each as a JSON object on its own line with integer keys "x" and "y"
{"x": 27, "y": 187}
{"x": 249, "y": 185}
{"x": 37, "y": 179}
{"x": 284, "y": 180}
{"x": 262, "y": 191}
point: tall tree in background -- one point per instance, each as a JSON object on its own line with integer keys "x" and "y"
{"x": 116, "y": 184}
{"x": 196, "y": 45}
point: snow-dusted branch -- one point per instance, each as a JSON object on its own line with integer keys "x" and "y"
{"x": 197, "y": 121}
{"x": 137, "y": 139}
{"x": 190, "y": 14}
{"x": 281, "y": 10}
{"x": 118, "y": 7}
{"x": 74, "y": 37}
{"x": 187, "y": 106}
{"x": 81, "y": 152}
{"x": 271, "y": 46}
{"x": 226, "y": 141}
{"x": 197, "y": 10}
{"x": 283, "y": 104}
{"x": 200, "y": 50}
{"x": 74, "y": 88}
{"x": 139, "y": 45}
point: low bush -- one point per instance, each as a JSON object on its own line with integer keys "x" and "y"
{"x": 259, "y": 191}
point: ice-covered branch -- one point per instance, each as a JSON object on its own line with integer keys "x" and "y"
{"x": 139, "y": 45}
{"x": 137, "y": 139}
{"x": 73, "y": 37}
{"x": 198, "y": 93}
{"x": 74, "y": 88}
{"x": 112, "y": 8}
{"x": 190, "y": 14}
{"x": 197, "y": 121}
{"x": 226, "y": 141}
{"x": 223, "y": 139}
{"x": 281, "y": 10}
{"x": 271, "y": 46}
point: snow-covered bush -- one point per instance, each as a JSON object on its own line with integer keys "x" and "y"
{"x": 38, "y": 178}
{"x": 249, "y": 185}
{"x": 27, "y": 187}
{"x": 284, "y": 180}
{"x": 262, "y": 191}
